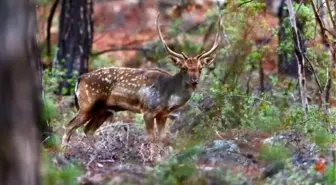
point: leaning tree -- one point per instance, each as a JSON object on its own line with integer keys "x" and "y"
{"x": 74, "y": 43}
{"x": 20, "y": 94}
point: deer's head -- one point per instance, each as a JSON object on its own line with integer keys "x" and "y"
{"x": 191, "y": 67}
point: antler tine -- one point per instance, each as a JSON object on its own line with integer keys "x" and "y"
{"x": 216, "y": 43}
{"x": 170, "y": 51}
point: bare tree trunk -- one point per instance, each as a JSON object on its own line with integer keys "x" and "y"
{"x": 19, "y": 94}
{"x": 299, "y": 54}
{"x": 328, "y": 46}
{"x": 44, "y": 129}
{"x": 74, "y": 43}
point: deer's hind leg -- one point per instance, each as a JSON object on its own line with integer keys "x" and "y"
{"x": 79, "y": 120}
{"x": 91, "y": 127}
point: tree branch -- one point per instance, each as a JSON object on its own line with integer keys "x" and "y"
{"x": 317, "y": 80}
{"x": 136, "y": 48}
{"x": 331, "y": 54}
{"x": 299, "y": 7}
{"x": 207, "y": 33}
{"x": 330, "y": 15}
{"x": 241, "y": 4}
{"x": 323, "y": 29}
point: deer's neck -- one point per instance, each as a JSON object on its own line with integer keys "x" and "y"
{"x": 169, "y": 92}
{"x": 176, "y": 84}
{"x": 176, "y": 91}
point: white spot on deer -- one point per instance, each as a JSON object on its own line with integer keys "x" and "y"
{"x": 76, "y": 89}
{"x": 109, "y": 76}
{"x": 107, "y": 80}
{"x": 88, "y": 95}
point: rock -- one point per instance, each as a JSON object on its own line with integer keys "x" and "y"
{"x": 221, "y": 152}
{"x": 303, "y": 156}
{"x": 303, "y": 152}
{"x": 230, "y": 146}
{"x": 119, "y": 174}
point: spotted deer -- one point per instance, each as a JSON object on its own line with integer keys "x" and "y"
{"x": 154, "y": 93}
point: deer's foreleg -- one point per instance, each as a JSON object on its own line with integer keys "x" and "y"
{"x": 149, "y": 120}
{"x": 161, "y": 125}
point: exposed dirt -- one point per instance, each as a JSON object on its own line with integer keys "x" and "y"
{"x": 116, "y": 143}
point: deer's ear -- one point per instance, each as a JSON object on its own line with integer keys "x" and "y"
{"x": 176, "y": 61}
{"x": 207, "y": 61}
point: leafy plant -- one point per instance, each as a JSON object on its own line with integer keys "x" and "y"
{"x": 274, "y": 153}
{"x": 330, "y": 175}
{"x": 178, "y": 169}
{"x": 53, "y": 175}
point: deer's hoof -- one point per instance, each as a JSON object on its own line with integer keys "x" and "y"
{"x": 148, "y": 139}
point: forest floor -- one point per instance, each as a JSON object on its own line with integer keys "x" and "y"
{"x": 123, "y": 156}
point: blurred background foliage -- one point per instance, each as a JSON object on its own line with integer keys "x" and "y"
{"x": 244, "y": 84}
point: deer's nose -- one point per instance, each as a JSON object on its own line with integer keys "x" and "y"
{"x": 194, "y": 81}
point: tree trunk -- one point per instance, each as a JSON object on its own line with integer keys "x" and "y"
{"x": 44, "y": 129}
{"x": 19, "y": 94}
{"x": 74, "y": 44}
{"x": 287, "y": 63}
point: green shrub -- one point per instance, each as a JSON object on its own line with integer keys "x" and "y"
{"x": 53, "y": 175}
{"x": 177, "y": 170}
{"x": 330, "y": 175}
{"x": 49, "y": 108}
{"x": 274, "y": 153}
